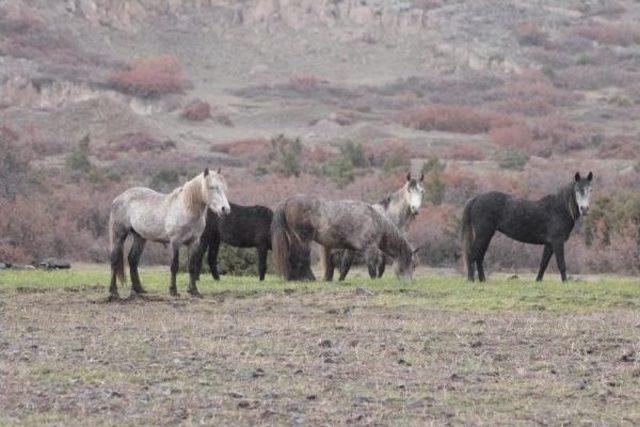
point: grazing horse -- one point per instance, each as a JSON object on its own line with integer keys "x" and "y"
{"x": 342, "y": 224}
{"x": 243, "y": 227}
{"x": 401, "y": 208}
{"x": 547, "y": 222}
{"x": 177, "y": 218}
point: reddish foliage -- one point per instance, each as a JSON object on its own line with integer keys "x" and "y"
{"x": 247, "y": 148}
{"x": 9, "y": 134}
{"x": 197, "y": 111}
{"x": 465, "y": 151}
{"x": 620, "y": 147}
{"x": 378, "y": 154}
{"x": 459, "y": 119}
{"x": 609, "y": 33}
{"x": 557, "y": 133}
{"x": 135, "y": 141}
{"x": 517, "y": 136}
{"x": 530, "y": 34}
{"x": 150, "y": 78}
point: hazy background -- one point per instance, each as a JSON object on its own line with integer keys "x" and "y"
{"x": 98, "y": 96}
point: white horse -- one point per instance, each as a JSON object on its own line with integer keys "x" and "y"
{"x": 400, "y": 208}
{"x": 177, "y": 218}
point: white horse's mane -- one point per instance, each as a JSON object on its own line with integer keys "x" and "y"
{"x": 191, "y": 195}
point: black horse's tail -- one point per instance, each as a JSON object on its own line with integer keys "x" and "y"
{"x": 280, "y": 242}
{"x": 466, "y": 233}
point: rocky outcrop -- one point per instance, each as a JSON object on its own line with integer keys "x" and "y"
{"x": 384, "y": 14}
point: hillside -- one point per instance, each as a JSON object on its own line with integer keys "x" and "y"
{"x": 479, "y": 95}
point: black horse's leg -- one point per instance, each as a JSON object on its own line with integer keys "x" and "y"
{"x": 175, "y": 263}
{"x": 134, "y": 259}
{"x": 479, "y": 249}
{"x": 202, "y": 248}
{"x": 558, "y": 249}
{"x": 546, "y": 256}
{"x": 381, "y": 265}
{"x": 214, "y": 247}
{"x": 373, "y": 259}
{"x": 263, "y": 251}
{"x": 345, "y": 263}
{"x": 195, "y": 253}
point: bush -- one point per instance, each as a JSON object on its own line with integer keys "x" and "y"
{"x": 445, "y": 118}
{"x": 150, "y": 78}
{"x": 530, "y": 34}
{"x": 78, "y": 159}
{"x": 465, "y": 151}
{"x": 285, "y": 154}
{"x": 237, "y": 261}
{"x": 618, "y": 34}
{"x": 517, "y": 136}
{"x": 513, "y": 159}
{"x": 197, "y": 111}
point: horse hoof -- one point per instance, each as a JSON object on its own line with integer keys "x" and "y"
{"x": 113, "y": 298}
{"x": 141, "y": 291}
{"x": 195, "y": 294}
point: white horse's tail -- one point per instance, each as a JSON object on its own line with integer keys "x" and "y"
{"x": 116, "y": 251}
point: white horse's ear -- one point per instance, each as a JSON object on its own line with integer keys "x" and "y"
{"x": 206, "y": 171}
{"x": 577, "y": 177}
{"x": 590, "y": 176}
{"x": 408, "y": 176}
{"x": 219, "y": 170}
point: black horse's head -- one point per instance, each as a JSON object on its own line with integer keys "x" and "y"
{"x": 582, "y": 189}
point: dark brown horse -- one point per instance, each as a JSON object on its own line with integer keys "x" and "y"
{"x": 344, "y": 224}
{"x": 547, "y": 222}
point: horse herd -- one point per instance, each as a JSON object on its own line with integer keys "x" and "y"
{"x": 199, "y": 216}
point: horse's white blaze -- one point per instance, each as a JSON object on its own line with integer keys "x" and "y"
{"x": 414, "y": 197}
{"x": 214, "y": 191}
{"x": 582, "y": 199}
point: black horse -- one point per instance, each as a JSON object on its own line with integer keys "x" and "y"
{"x": 243, "y": 227}
{"x": 547, "y": 222}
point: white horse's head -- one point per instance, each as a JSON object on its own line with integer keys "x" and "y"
{"x": 413, "y": 192}
{"x": 214, "y": 189}
{"x": 582, "y": 188}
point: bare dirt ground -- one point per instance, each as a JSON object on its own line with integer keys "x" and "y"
{"x": 437, "y": 351}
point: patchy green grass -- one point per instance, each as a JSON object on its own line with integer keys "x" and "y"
{"x": 427, "y": 291}
{"x": 435, "y": 350}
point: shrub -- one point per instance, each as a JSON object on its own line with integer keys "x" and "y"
{"x": 237, "y": 261}
{"x": 285, "y": 154}
{"x": 15, "y": 162}
{"x": 447, "y": 119}
{"x": 465, "y": 152}
{"x": 530, "y": 34}
{"x": 340, "y": 170}
{"x": 256, "y": 148}
{"x": 513, "y": 159}
{"x": 517, "y": 136}
{"x": 150, "y": 78}
{"x": 197, "y": 111}
{"x": 78, "y": 159}
{"x": 618, "y": 34}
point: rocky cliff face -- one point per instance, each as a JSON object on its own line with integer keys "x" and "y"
{"x": 127, "y": 14}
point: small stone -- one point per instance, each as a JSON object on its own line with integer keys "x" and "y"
{"x": 361, "y": 290}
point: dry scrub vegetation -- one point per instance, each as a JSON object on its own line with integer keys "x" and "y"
{"x": 433, "y": 351}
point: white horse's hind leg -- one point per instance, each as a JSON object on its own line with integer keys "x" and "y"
{"x": 134, "y": 259}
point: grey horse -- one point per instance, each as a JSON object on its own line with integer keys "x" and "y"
{"x": 176, "y": 219}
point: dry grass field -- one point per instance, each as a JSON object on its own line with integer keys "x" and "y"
{"x": 436, "y": 350}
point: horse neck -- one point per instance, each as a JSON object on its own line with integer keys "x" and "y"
{"x": 396, "y": 245}
{"x": 397, "y": 210}
{"x": 193, "y": 198}
{"x": 567, "y": 197}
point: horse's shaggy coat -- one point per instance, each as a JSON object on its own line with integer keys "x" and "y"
{"x": 177, "y": 218}
{"x": 401, "y": 208}
{"x": 547, "y": 222}
{"x": 345, "y": 224}
{"x": 243, "y": 227}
